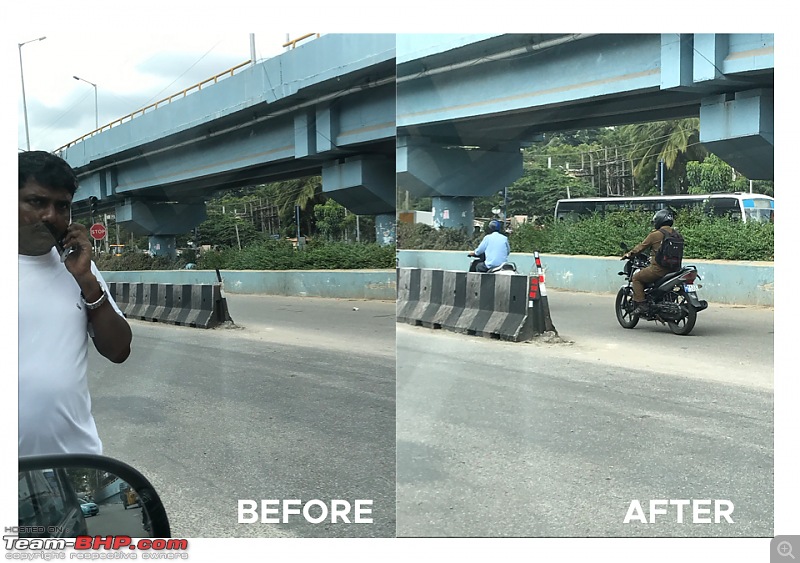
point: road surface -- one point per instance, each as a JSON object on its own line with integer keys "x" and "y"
{"x": 296, "y": 402}
{"x": 557, "y": 439}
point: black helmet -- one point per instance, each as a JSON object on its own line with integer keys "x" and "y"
{"x": 494, "y": 226}
{"x": 662, "y": 217}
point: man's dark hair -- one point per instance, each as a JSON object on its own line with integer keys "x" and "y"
{"x": 48, "y": 170}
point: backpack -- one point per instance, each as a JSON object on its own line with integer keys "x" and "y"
{"x": 670, "y": 254}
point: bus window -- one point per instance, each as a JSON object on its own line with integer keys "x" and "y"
{"x": 570, "y": 209}
{"x": 761, "y": 210}
{"x": 722, "y": 206}
{"x": 738, "y": 206}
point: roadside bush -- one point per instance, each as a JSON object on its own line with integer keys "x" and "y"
{"x": 281, "y": 255}
{"x": 347, "y": 256}
{"x": 138, "y": 261}
{"x": 709, "y": 238}
{"x": 722, "y": 239}
{"x": 265, "y": 255}
{"x": 591, "y": 236}
{"x": 423, "y": 237}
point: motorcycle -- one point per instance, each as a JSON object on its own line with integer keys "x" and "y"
{"x": 53, "y": 488}
{"x": 506, "y": 268}
{"x": 672, "y": 299}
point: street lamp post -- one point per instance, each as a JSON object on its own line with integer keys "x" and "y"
{"x": 96, "y": 120}
{"x": 24, "y": 102}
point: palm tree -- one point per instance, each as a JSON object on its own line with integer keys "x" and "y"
{"x": 675, "y": 142}
{"x": 297, "y": 192}
{"x": 300, "y": 192}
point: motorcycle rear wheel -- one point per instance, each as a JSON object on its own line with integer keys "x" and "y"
{"x": 623, "y": 306}
{"x": 685, "y": 324}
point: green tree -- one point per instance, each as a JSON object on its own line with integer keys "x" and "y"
{"x": 710, "y": 175}
{"x": 301, "y": 192}
{"x": 330, "y": 219}
{"x": 766, "y": 187}
{"x": 226, "y": 230}
{"x": 535, "y": 193}
{"x": 715, "y": 175}
{"x": 675, "y": 142}
{"x": 578, "y": 138}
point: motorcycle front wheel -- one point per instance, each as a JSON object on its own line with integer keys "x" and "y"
{"x": 685, "y": 324}
{"x": 624, "y": 306}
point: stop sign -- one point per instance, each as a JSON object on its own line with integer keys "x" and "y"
{"x": 98, "y": 231}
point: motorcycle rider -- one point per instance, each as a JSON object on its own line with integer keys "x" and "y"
{"x": 662, "y": 219}
{"x": 492, "y": 251}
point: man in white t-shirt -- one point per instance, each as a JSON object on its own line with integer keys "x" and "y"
{"x": 62, "y": 303}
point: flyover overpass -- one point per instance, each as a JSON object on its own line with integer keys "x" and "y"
{"x": 467, "y": 103}
{"x": 324, "y": 108}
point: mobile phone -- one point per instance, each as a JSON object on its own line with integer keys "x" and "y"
{"x": 59, "y": 237}
{"x": 63, "y": 252}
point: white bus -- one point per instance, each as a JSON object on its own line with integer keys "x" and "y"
{"x": 740, "y": 205}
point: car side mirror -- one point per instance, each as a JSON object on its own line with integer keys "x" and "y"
{"x": 71, "y": 495}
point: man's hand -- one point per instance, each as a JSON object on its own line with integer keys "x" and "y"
{"x": 112, "y": 334}
{"x": 79, "y": 262}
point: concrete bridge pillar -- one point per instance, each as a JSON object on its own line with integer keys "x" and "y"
{"x": 365, "y": 185}
{"x": 386, "y": 228}
{"x": 161, "y": 221}
{"x": 161, "y": 245}
{"x": 740, "y": 129}
{"x": 454, "y": 175}
{"x": 453, "y": 212}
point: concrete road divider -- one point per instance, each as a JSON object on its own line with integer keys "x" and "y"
{"x": 199, "y": 305}
{"x": 724, "y": 281}
{"x": 488, "y": 305}
{"x": 407, "y": 293}
{"x": 328, "y": 284}
{"x": 430, "y": 297}
{"x": 140, "y": 302}
{"x": 453, "y": 300}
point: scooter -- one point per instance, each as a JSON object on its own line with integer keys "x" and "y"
{"x": 506, "y": 268}
{"x": 671, "y": 299}
{"x": 51, "y": 489}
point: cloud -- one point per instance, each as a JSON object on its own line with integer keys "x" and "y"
{"x": 131, "y": 70}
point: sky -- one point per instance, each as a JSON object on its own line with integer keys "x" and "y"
{"x": 129, "y": 70}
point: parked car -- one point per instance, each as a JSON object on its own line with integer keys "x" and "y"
{"x": 88, "y": 507}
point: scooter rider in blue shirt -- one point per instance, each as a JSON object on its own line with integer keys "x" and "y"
{"x": 493, "y": 250}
